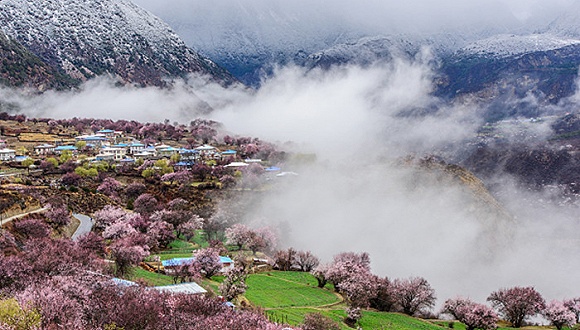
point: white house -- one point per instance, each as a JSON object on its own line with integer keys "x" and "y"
{"x": 7, "y": 154}
{"x": 136, "y": 147}
{"x": 118, "y": 152}
{"x": 44, "y": 149}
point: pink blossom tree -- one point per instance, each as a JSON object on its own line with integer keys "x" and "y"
{"x": 32, "y": 228}
{"x": 284, "y": 259}
{"x": 107, "y": 216}
{"x": 317, "y": 321}
{"x": 58, "y": 216}
{"x": 413, "y": 295}
{"x": 473, "y": 315}
{"x": 161, "y": 232}
{"x": 345, "y": 264}
{"x": 118, "y": 230}
{"x": 189, "y": 228}
{"x": 127, "y": 254}
{"x": 384, "y": 299}
{"x": 558, "y": 314}
{"x": 110, "y": 187}
{"x": 319, "y": 273}
{"x": 146, "y": 204}
{"x": 135, "y": 189}
{"x": 208, "y": 260}
{"x": 517, "y": 303}
{"x": 574, "y": 306}
{"x": 306, "y": 261}
{"x": 359, "y": 288}
{"x": 234, "y": 284}
{"x": 238, "y": 235}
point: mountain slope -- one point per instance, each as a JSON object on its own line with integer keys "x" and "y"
{"x": 21, "y": 68}
{"x": 84, "y": 39}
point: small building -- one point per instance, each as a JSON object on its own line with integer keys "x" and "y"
{"x": 59, "y": 150}
{"x": 136, "y": 147}
{"x": 206, "y": 151}
{"x": 44, "y": 149}
{"x": 187, "y": 288}
{"x": 7, "y": 154}
{"x": 167, "y": 152}
{"x": 109, "y": 133}
{"x": 95, "y": 140}
{"x": 119, "y": 152}
{"x": 237, "y": 164}
{"x": 229, "y": 153}
{"x": 189, "y": 156}
{"x": 227, "y": 263}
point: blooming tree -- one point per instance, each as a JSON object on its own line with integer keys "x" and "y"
{"x": 473, "y": 315}
{"x": 413, "y": 295}
{"x": 574, "y": 306}
{"x": 517, "y": 303}
{"x": 346, "y": 264}
{"x": 234, "y": 284}
{"x": 118, "y": 230}
{"x": 384, "y": 299}
{"x": 110, "y": 187}
{"x": 126, "y": 254}
{"x": 189, "y": 228}
{"x": 32, "y": 228}
{"x": 560, "y": 315}
{"x": 161, "y": 232}
{"x": 306, "y": 261}
{"x": 145, "y": 204}
{"x": 238, "y": 234}
{"x": 107, "y": 216}
{"x": 208, "y": 260}
{"x": 135, "y": 189}
{"x": 317, "y": 321}
{"x": 319, "y": 273}
{"x": 58, "y": 216}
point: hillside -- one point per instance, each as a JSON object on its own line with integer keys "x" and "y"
{"x": 84, "y": 39}
{"x": 20, "y": 68}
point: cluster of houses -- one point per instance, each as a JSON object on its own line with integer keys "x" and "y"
{"x": 112, "y": 146}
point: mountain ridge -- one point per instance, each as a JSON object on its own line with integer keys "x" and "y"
{"x": 85, "y": 39}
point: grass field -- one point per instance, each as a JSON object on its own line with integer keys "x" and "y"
{"x": 154, "y": 279}
{"x": 287, "y": 297}
{"x": 287, "y": 289}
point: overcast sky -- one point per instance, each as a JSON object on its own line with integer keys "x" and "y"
{"x": 378, "y": 16}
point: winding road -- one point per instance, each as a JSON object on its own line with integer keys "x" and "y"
{"x": 85, "y": 226}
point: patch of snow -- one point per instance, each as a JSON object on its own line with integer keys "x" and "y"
{"x": 506, "y": 45}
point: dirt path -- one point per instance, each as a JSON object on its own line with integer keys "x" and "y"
{"x": 3, "y": 221}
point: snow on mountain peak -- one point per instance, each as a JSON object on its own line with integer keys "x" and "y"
{"x": 505, "y": 45}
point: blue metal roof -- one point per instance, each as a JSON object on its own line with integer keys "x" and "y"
{"x": 60, "y": 148}
{"x": 177, "y": 262}
{"x": 186, "y": 261}
{"x": 226, "y": 260}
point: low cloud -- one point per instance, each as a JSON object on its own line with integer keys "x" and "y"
{"x": 364, "y": 192}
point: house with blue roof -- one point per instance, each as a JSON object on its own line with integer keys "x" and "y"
{"x": 60, "y": 149}
{"x": 227, "y": 263}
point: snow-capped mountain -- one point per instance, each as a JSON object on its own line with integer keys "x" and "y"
{"x": 364, "y": 51}
{"x": 567, "y": 24}
{"x": 87, "y": 38}
{"x": 246, "y": 37}
{"x": 20, "y": 68}
{"x": 505, "y": 45}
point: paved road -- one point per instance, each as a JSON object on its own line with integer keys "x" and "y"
{"x": 85, "y": 226}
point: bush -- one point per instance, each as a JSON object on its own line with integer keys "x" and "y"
{"x": 317, "y": 321}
